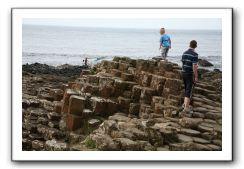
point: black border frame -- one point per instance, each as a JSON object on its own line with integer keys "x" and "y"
{"x": 127, "y": 161}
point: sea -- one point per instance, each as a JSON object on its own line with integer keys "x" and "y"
{"x": 57, "y": 45}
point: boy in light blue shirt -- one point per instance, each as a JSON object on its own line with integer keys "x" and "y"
{"x": 165, "y": 43}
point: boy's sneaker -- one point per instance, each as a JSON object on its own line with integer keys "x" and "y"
{"x": 190, "y": 107}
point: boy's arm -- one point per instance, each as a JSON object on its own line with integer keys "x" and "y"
{"x": 195, "y": 72}
{"x": 160, "y": 43}
{"x": 169, "y": 43}
{"x": 194, "y": 67}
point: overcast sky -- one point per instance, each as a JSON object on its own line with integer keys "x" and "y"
{"x": 182, "y": 23}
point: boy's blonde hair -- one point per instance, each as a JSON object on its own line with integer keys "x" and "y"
{"x": 162, "y": 30}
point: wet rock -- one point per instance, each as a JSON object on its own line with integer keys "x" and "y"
{"x": 98, "y": 105}
{"x": 174, "y": 85}
{"x": 190, "y": 122}
{"x": 142, "y": 65}
{"x": 111, "y": 107}
{"x": 118, "y": 117}
{"x": 145, "y": 146}
{"x": 188, "y": 146}
{"x": 127, "y": 144}
{"x": 37, "y": 112}
{"x": 90, "y": 88}
{"x": 123, "y": 66}
{"x": 26, "y": 144}
{"x": 204, "y": 63}
{"x": 87, "y": 113}
{"x": 66, "y": 97}
{"x": 106, "y": 91}
{"x": 106, "y": 86}
{"x": 49, "y": 133}
{"x": 76, "y": 105}
{"x": 126, "y": 125}
{"x": 57, "y": 94}
{"x": 127, "y": 94}
{"x": 34, "y": 136}
{"x": 75, "y": 138}
{"x": 37, "y": 145}
{"x": 217, "y": 142}
{"x": 25, "y": 103}
{"x": 73, "y": 122}
{"x": 157, "y": 99}
{"x": 116, "y": 72}
{"x": 146, "y": 95}
{"x": 127, "y": 77}
{"x": 47, "y": 105}
{"x": 134, "y": 109}
{"x": 204, "y": 128}
{"x": 154, "y": 137}
{"x": 93, "y": 79}
{"x": 44, "y": 93}
{"x": 54, "y": 145}
{"x": 207, "y": 135}
{"x": 109, "y": 64}
{"x": 62, "y": 125}
{"x": 32, "y": 127}
{"x": 122, "y": 134}
{"x": 214, "y": 147}
{"x": 165, "y": 66}
{"x": 201, "y": 147}
{"x": 103, "y": 142}
{"x": 119, "y": 87}
{"x": 138, "y": 134}
{"x": 53, "y": 124}
{"x": 124, "y": 104}
{"x": 94, "y": 123}
{"x": 200, "y": 140}
{"x": 109, "y": 126}
{"x": 132, "y": 70}
{"x": 184, "y": 138}
{"x": 42, "y": 120}
{"x": 159, "y": 108}
{"x": 53, "y": 116}
{"x": 58, "y": 107}
{"x": 145, "y": 110}
{"x": 136, "y": 92}
{"x": 169, "y": 135}
{"x": 189, "y": 132}
{"x": 213, "y": 116}
{"x": 198, "y": 115}
{"x": 145, "y": 79}
{"x": 163, "y": 149}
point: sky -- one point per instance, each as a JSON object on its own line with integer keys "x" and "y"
{"x": 172, "y": 23}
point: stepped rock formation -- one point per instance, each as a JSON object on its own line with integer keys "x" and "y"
{"x": 124, "y": 104}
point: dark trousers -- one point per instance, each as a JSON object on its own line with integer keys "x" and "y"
{"x": 188, "y": 80}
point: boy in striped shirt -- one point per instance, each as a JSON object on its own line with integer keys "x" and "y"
{"x": 189, "y": 72}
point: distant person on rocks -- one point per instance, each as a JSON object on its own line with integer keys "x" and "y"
{"x": 85, "y": 63}
{"x": 165, "y": 43}
{"x": 189, "y": 72}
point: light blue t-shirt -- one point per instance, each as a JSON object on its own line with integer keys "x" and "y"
{"x": 164, "y": 39}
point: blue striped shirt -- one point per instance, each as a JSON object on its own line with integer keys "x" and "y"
{"x": 189, "y": 58}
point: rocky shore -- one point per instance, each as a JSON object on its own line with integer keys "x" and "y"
{"x": 124, "y": 104}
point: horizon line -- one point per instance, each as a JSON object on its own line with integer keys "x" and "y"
{"x": 72, "y": 26}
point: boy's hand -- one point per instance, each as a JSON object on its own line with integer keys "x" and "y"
{"x": 170, "y": 46}
{"x": 195, "y": 80}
